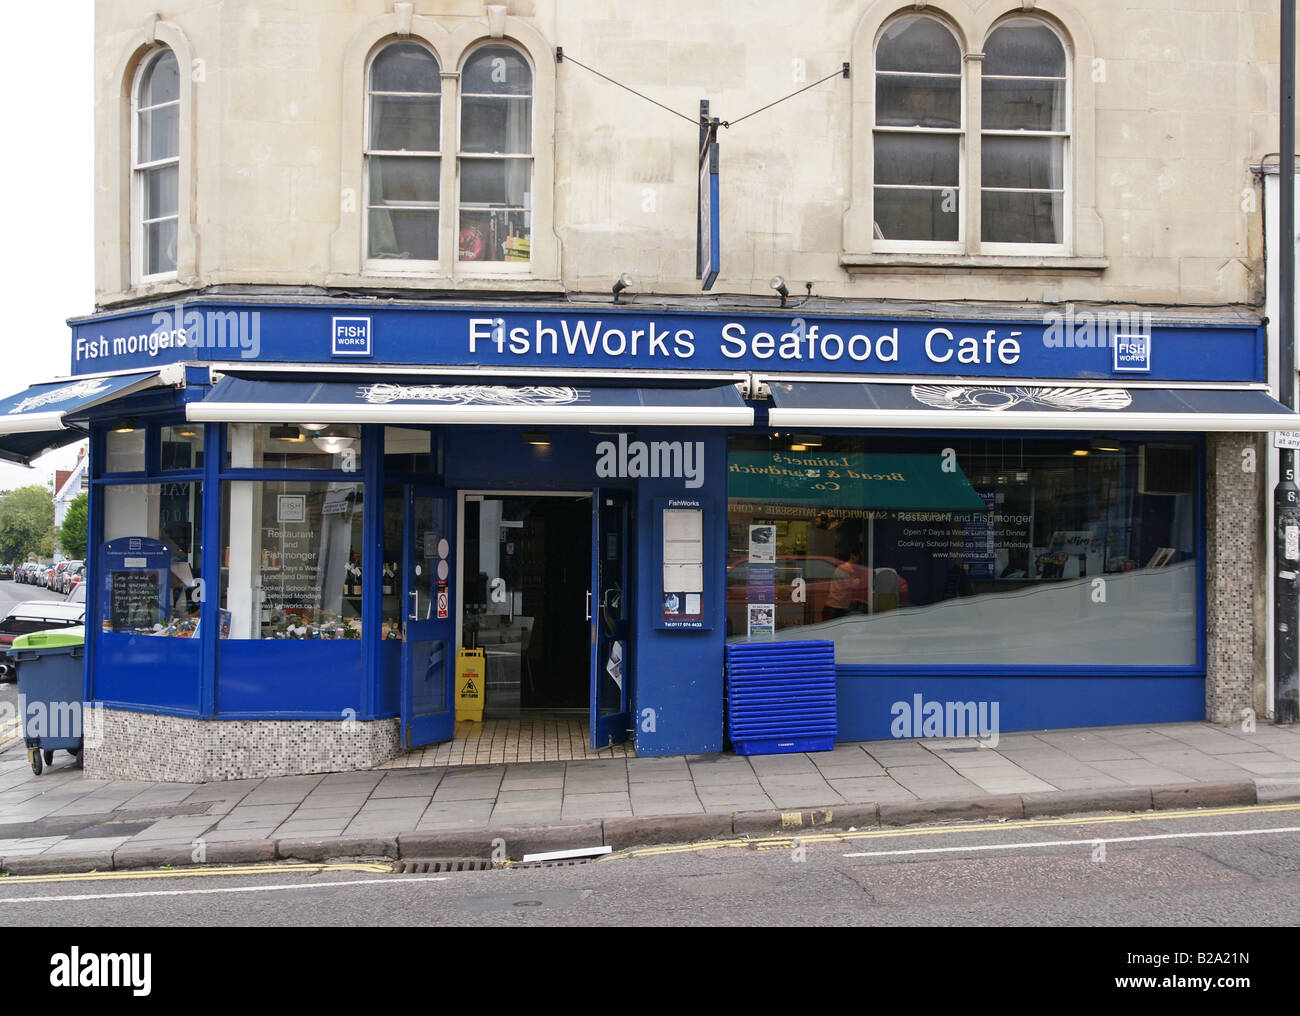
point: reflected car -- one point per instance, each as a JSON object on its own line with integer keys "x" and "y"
{"x": 818, "y": 574}
{"x": 63, "y": 578}
{"x": 6, "y": 572}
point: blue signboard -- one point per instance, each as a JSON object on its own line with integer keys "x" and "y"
{"x": 1064, "y": 344}
{"x": 137, "y": 584}
{"x": 1133, "y": 353}
{"x": 351, "y": 336}
{"x": 709, "y": 224}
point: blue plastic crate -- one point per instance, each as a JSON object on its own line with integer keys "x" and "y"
{"x": 781, "y": 697}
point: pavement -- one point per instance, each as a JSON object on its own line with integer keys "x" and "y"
{"x": 63, "y": 822}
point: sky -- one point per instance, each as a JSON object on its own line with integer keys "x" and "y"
{"x": 46, "y": 273}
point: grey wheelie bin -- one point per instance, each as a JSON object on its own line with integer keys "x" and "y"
{"x": 50, "y": 668}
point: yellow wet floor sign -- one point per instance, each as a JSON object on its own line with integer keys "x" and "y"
{"x": 469, "y": 685}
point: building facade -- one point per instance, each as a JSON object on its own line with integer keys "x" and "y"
{"x": 408, "y": 340}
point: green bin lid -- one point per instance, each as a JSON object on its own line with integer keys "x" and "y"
{"x": 54, "y": 639}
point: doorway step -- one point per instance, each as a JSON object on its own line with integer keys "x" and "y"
{"x": 529, "y": 737}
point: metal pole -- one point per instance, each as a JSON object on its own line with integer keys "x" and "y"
{"x": 1286, "y": 496}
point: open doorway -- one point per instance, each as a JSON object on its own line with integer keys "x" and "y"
{"x": 526, "y": 577}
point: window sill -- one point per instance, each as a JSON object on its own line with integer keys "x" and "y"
{"x": 866, "y": 262}
{"x": 522, "y": 283}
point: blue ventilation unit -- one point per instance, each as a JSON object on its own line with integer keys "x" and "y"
{"x": 781, "y": 697}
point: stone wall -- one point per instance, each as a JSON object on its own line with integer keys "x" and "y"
{"x": 124, "y": 745}
{"x": 1232, "y": 573}
{"x": 1172, "y": 104}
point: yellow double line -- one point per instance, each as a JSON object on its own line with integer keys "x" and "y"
{"x": 152, "y": 873}
{"x": 807, "y": 838}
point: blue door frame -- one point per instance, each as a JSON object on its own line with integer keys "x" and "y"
{"x": 429, "y": 616}
{"x": 611, "y": 611}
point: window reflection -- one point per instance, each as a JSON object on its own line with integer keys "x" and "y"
{"x": 968, "y": 551}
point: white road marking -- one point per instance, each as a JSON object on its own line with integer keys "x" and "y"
{"x": 1089, "y": 842}
{"x": 404, "y": 880}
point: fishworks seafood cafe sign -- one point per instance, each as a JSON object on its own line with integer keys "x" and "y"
{"x": 618, "y": 338}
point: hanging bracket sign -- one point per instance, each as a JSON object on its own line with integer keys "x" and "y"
{"x": 708, "y": 243}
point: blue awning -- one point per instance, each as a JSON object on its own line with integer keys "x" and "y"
{"x": 32, "y": 422}
{"x": 236, "y": 400}
{"x": 1025, "y": 407}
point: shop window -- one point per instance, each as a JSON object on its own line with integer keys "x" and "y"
{"x": 403, "y": 165}
{"x": 181, "y": 446}
{"x": 156, "y": 166}
{"x": 918, "y": 134}
{"x": 124, "y": 446}
{"x": 1025, "y": 136}
{"x": 294, "y": 446}
{"x": 150, "y": 559}
{"x": 496, "y": 156}
{"x": 291, "y": 564}
{"x": 968, "y": 552}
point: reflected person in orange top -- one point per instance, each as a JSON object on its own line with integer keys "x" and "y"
{"x": 848, "y": 588}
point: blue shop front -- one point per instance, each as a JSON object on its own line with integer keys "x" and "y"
{"x": 302, "y": 513}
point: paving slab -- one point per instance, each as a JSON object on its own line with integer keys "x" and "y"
{"x": 880, "y": 788}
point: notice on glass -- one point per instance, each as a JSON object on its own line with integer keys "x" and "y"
{"x": 762, "y": 619}
{"x": 683, "y": 567}
{"x": 762, "y": 544}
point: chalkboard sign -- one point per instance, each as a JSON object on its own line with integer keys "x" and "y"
{"x": 134, "y": 599}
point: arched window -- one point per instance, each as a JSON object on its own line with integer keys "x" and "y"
{"x": 156, "y": 152}
{"x": 1024, "y": 135}
{"x": 403, "y": 167}
{"x": 496, "y": 156}
{"x": 918, "y": 134}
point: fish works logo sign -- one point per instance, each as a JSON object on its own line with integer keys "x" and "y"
{"x": 1133, "y": 352}
{"x": 351, "y": 336}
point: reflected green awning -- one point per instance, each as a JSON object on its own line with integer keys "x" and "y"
{"x": 832, "y": 480}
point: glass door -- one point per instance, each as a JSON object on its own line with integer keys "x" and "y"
{"x": 428, "y": 648}
{"x": 611, "y": 658}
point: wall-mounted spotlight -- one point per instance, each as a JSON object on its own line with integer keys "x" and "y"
{"x": 286, "y": 432}
{"x": 124, "y": 426}
{"x": 540, "y": 438}
{"x": 778, "y": 283}
{"x": 1105, "y": 444}
{"x": 622, "y": 283}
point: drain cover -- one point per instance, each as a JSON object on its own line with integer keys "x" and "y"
{"x": 436, "y": 866}
{"x": 547, "y": 899}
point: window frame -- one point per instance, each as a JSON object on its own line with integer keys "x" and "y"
{"x": 1068, "y": 190}
{"x": 140, "y": 170}
{"x": 401, "y": 266}
{"x": 1085, "y": 236}
{"x": 491, "y": 268}
{"x": 962, "y": 132}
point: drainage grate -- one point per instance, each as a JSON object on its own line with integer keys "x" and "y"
{"x": 439, "y": 866}
{"x": 567, "y": 862}
{"x": 433, "y": 867}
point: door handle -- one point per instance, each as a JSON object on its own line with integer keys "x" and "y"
{"x": 588, "y": 604}
{"x": 415, "y": 595}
